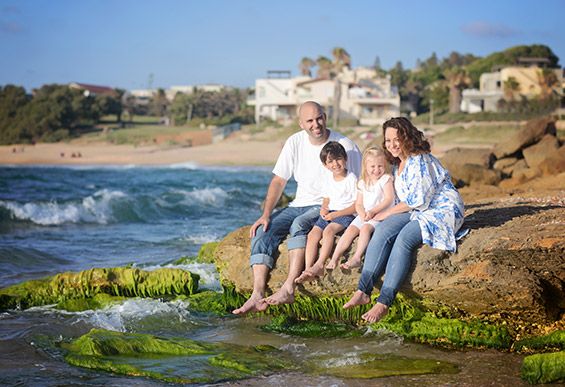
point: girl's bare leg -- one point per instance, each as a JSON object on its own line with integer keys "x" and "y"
{"x": 362, "y": 243}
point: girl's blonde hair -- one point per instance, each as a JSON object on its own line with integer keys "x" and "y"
{"x": 372, "y": 151}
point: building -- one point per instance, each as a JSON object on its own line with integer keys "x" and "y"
{"x": 92, "y": 90}
{"x": 527, "y": 78}
{"x": 363, "y": 96}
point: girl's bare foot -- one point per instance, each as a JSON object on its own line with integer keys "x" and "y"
{"x": 376, "y": 313}
{"x": 359, "y": 298}
{"x": 351, "y": 264}
{"x": 331, "y": 264}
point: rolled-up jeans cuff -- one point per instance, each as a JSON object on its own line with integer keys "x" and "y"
{"x": 262, "y": 259}
{"x": 297, "y": 242}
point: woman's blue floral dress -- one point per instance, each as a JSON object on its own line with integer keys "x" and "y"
{"x": 425, "y": 185}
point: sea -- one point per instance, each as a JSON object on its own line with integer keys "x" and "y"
{"x": 70, "y": 218}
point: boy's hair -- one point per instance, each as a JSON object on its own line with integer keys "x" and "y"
{"x": 333, "y": 149}
{"x": 372, "y": 151}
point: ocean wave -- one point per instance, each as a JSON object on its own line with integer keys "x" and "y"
{"x": 210, "y": 196}
{"x": 199, "y": 239}
{"x": 187, "y": 165}
{"x": 96, "y": 208}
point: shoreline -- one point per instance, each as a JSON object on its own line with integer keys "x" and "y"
{"x": 225, "y": 153}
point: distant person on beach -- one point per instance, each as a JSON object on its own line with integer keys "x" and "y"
{"x": 338, "y": 206}
{"x": 375, "y": 193}
{"x": 299, "y": 158}
{"x": 429, "y": 210}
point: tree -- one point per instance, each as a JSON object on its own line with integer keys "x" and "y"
{"x": 324, "y": 67}
{"x": 457, "y": 79}
{"x": 341, "y": 59}
{"x": 306, "y": 65}
{"x": 159, "y": 103}
{"x": 511, "y": 88}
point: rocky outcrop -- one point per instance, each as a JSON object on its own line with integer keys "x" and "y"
{"x": 531, "y": 152}
{"x": 509, "y": 266}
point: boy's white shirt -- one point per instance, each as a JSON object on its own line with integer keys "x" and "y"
{"x": 301, "y": 160}
{"x": 343, "y": 193}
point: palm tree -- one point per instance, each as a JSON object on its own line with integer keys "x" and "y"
{"x": 457, "y": 79}
{"x": 341, "y": 59}
{"x": 324, "y": 67}
{"x": 306, "y": 65}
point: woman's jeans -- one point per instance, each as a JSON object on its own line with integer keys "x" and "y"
{"x": 296, "y": 221}
{"x": 392, "y": 245}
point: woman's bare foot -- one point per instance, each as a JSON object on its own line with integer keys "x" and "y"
{"x": 310, "y": 274}
{"x": 282, "y": 296}
{"x": 332, "y": 264}
{"x": 359, "y": 298}
{"x": 351, "y": 263}
{"x": 376, "y": 313}
{"x": 255, "y": 303}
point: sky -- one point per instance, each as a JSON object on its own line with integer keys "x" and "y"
{"x": 136, "y": 44}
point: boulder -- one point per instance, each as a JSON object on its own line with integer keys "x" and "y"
{"x": 471, "y": 174}
{"x": 505, "y": 163}
{"x": 511, "y": 264}
{"x": 537, "y": 153}
{"x": 531, "y": 134}
{"x": 458, "y": 156}
{"x": 554, "y": 163}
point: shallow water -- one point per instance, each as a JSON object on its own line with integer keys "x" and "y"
{"x": 55, "y": 219}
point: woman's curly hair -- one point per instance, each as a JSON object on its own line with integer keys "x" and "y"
{"x": 412, "y": 140}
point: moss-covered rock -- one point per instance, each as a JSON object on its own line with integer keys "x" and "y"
{"x": 310, "y": 328}
{"x": 368, "y": 365}
{"x": 207, "y": 252}
{"x": 121, "y": 282}
{"x": 173, "y": 360}
{"x": 544, "y": 368}
{"x": 553, "y": 341}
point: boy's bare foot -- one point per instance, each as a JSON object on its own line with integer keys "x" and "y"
{"x": 331, "y": 264}
{"x": 359, "y": 298}
{"x": 351, "y": 264}
{"x": 376, "y": 313}
{"x": 255, "y": 303}
{"x": 310, "y": 274}
{"x": 282, "y": 296}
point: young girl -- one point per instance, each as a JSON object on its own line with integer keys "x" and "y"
{"x": 375, "y": 193}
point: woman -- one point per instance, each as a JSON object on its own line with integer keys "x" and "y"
{"x": 429, "y": 210}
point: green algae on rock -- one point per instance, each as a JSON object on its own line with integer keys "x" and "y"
{"x": 368, "y": 365}
{"x": 544, "y": 368}
{"x": 553, "y": 341}
{"x": 310, "y": 328}
{"x": 121, "y": 282}
{"x": 173, "y": 360}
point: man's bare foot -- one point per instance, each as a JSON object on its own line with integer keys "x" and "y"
{"x": 310, "y": 274}
{"x": 331, "y": 264}
{"x": 359, "y": 298}
{"x": 282, "y": 296}
{"x": 376, "y": 313}
{"x": 255, "y": 303}
{"x": 351, "y": 264}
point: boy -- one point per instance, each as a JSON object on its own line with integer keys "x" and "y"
{"x": 337, "y": 212}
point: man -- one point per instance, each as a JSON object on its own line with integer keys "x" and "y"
{"x": 299, "y": 158}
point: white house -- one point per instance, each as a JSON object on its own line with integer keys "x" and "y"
{"x": 364, "y": 96}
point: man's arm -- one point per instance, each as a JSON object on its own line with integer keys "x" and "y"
{"x": 274, "y": 192}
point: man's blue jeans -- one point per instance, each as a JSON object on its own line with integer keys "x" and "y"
{"x": 392, "y": 245}
{"x": 296, "y": 221}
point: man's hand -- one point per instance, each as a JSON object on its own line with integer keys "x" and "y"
{"x": 264, "y": 221}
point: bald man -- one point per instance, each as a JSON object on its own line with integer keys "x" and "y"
{"x": 299, "y": 158}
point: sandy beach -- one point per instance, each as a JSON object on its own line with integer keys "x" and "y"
{"x": 227, "y": 152}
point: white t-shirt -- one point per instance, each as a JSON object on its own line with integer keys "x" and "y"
{"x": 301, "y": 160}
{"x": 342, "y": 194}
{"x": 373, "y": 194}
